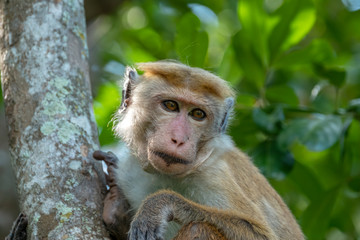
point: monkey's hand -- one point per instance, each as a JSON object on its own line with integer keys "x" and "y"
{"x": 108, "y": 157}
{"x": 112, "y": 163}
{"x": 151, "y": 219}
{"x": 116, "y": 213}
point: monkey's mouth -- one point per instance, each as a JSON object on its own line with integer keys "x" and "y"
{"x": 170, "y": 159}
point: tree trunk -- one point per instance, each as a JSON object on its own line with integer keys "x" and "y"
{"x": 52, "y": 133}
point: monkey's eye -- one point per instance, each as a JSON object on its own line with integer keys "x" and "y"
{"x": 170, "y": 105}
{"x": 198, "y": 114}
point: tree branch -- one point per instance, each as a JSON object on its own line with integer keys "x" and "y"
{"x": 52, "y": 132}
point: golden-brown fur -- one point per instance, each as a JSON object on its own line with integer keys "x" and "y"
{"x": 185, "y": 169}
{"x": 199, "y": 231}
{"x": 182, "y": 76}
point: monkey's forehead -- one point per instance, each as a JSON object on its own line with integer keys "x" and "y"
{"x": 183, "y": 76}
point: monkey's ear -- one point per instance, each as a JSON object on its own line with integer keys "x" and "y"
{"x": 229, "y": 103}
{"x": 130, "y": 78}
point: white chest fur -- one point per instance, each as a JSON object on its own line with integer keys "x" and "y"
{"x": 138, "y": 184}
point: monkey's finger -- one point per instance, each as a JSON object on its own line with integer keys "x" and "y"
{"x": 110, "y": 181}
{"x": 99, "y": 155}
{"x": 111, "y": 160}
{"x": 108, "y": 178}
{"x": 108, "y": 157}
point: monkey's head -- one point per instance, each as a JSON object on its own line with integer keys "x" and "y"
{"x": 171, "y": 114}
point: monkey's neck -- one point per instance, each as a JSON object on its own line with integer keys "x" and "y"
{"x": 137, "y": 184}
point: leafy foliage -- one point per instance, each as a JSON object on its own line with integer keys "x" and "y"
{"x": 295, "y": 66}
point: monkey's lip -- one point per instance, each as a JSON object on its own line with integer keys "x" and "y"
{"x": 169, "y": 159}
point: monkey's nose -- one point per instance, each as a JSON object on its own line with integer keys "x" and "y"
{"x": 176, "y": 142}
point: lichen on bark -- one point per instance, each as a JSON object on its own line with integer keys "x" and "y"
{"x": 52, "y": 132}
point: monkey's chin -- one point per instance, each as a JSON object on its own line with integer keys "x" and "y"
{"x": 149, "y": 168}
{"x": 168, "y": 164}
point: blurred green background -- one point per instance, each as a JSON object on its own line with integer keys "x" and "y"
{"x": 295, "y": 67}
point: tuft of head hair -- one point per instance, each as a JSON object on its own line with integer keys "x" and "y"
{"x": 183, "y": 76}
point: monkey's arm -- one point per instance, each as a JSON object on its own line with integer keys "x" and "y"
{"x": 165, "y": 206}
{"x": 116, "y": 214}
{"x": 199, "y": 231}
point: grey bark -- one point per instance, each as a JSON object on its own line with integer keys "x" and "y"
{"x": 51, "y": 128}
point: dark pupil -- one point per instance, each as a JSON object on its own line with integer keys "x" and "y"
{"x": 170, "y": 105}
{"x": 198, "y": 114}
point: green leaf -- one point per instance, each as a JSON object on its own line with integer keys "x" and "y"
{"x": 306, "y": 180}
{"x": 336, "y": 76}
{"x": 191, "y": 43}
{"x": 316, "y": 218}
{"x": 245, "y": 100}
{"x": 321, "y": 101}
{"x": 317, "y": 133}
{"x": 351, "y": 151}
{"x": 105, "y": 103}
{"x": 250, "y": 43}
{"x": 250, "y": 62}
{"x": 354, "y": 184}
{"x": 272, "y": 161}
{"x": 138, "y": 54}
{"x": 354, "y": 105}
{"x": 228, "y": 70}
{"x": 150, "y": 39}
{"x": 300, "y": 26}
{"x": 295, "y": 20}
{"x": 319, "y": 50}
{"x": 253, "y": 20}
{"x": 325, "y": 165}
{"x": 243, "y": 117}
{"x": 282, "y": 94}
{"x": 271, "y": 122}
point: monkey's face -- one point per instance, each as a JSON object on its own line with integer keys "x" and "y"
{"x": 180, "y": 130}
{"x": 169, "y": 115}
